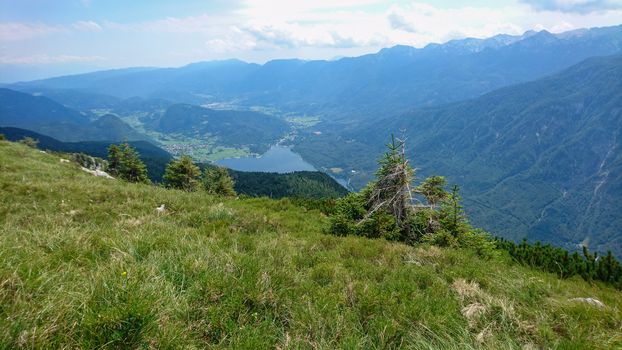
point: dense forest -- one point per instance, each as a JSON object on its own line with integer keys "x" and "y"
{"x": 307, "y": 184}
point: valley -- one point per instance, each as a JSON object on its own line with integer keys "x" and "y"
{"x": 311, "y": 174}
{"x": 337, "y": 114}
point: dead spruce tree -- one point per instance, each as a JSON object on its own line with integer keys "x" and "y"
{"x": 392, "y": 189}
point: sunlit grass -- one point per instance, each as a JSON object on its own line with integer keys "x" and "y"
{"x": 87, "y": 262}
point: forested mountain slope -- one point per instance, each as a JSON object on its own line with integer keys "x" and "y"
{"x": 40, "y": 114}
{"x": 253, "y": 130}
{"x": 541, "y": 160}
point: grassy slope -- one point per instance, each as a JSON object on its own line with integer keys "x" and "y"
{"x": 86, "y": 262}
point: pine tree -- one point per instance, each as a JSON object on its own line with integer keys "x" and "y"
{"x": 392, "y": 189}
{"x": 452, "y": 215}
{"x": 114, "y": 160}
{"x": 132, "y": 169}
{"x": 182, "y": 174}
{"x": 432, "y": 189}
{"x": 216, "y": 180}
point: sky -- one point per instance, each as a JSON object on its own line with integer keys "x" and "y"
{"x": 43, "y": 38}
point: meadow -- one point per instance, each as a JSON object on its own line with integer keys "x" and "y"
{"x": 88, "y": 262}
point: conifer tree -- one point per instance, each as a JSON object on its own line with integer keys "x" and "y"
{"x": 432, "y": 189}
{"x": 452, "y": 215}
{"x": 132, "y": 169}
{"x": 392, "y": 189}
{"x": 114, "y": 160}
{"x": 182, "y": 174}
{"x": 216, "y": 180}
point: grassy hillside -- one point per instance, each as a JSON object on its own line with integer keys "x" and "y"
{"x": 153, "y": 156}
{"x": 87, "y": 262}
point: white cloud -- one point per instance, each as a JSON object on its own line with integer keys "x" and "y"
{"x": 18, "y": 31}
{"x": 48, "y": 59}
{"x": 578, "y": 6}
{"x": 87, "y": 26}
{"x": 260, "y": 30}
{"x": 193, "y": 24}
{"x": 419, "y": 24}
{"x": 292, "y": 35}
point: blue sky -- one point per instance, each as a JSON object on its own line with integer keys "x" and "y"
{"x": 41, "y": 38}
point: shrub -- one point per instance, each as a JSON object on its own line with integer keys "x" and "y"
{"x": 479, "y": 241}
{"x": 441, "y": 238}
{"x": 29, "y": 141}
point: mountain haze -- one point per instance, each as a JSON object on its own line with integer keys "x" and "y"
{"x": 396, "y": 78}
{"x": 40, "y": 114}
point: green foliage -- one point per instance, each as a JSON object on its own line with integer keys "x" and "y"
{"x": 451, "y": 215}
{"x": 480, "y": 241}
{"x": 589, "y": 266}
{"x": 396, "y": 218}
{"x": 29, "y": 141}
{"x": 441, "y": 238}
{"x": 433, "y": 189}
{"x": 124, "y": 162}
{"x": 2, "y": 137}
{"x": 422, "y": 222}
{"x": 182, "y": 174}
{"x": 217, "y": 181}
{"x": 114, "y": 160}
{"x": 303, "y": 184}
{"x": 325, "y": 205}
{"x": 391, "y": 192}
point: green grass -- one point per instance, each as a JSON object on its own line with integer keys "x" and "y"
{"x": 87, "y": 262}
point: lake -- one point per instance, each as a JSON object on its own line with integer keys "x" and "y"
{"x": 278, "y": 159}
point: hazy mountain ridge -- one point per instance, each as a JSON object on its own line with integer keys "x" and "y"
{"x": 499, "y": 146}
{"x": 401, "y": 77}
{"x": 40, "y": 114}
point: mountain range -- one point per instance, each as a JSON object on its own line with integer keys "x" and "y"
{"x": 350, "y": 88}
{"x": 41, "y": 114}
{"x": 528, "y": 125}
{"x": 541, "y": 159}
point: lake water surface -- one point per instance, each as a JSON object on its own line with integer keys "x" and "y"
{"x": 278, "y": 159}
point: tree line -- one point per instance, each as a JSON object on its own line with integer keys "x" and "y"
{"x": 590, "y": 266}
